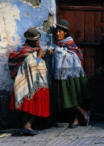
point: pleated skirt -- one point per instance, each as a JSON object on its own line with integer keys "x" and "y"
{"x": 69, "y": 93}
{"x": 37, "y": 105}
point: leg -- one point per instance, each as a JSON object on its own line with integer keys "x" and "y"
{"x": 83, "y": 112}
{"x": 76, "y": 120}
{"x": 27, "y": 120}
{"x": 28, "y": 124}
{"x": 75, "y": 123}
{"x": 28, "y": 130}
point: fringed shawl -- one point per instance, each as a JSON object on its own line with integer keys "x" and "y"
{"x": 66, "y": 61}
{"x": 16, "y": 58}
{"x": 30, "y": 77}
{"x": 70, "y": 44}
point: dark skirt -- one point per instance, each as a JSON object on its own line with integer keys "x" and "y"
{"x": 70, "y": 93}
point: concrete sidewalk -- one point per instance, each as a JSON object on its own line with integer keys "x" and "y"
{"x": 93, "y": 135}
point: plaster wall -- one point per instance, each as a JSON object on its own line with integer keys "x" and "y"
{"x": 16, "y": 16}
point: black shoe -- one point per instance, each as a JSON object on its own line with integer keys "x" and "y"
{"x": 73, "y": 125}
{"x": 87, "y": 120}
{"x": 29, "y": 132}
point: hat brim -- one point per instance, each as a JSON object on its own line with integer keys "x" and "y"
{"x": 34, "y": 38}
{"x": 61, "y": 26}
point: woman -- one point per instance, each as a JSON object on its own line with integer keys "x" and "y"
{"x": 69, "y": 80}
{"x": 30, "y": 92}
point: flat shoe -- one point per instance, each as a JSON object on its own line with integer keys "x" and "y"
{"x": 29, "y": 132}
{"x": 73, "y": 125}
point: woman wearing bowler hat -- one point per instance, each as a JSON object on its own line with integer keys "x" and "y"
{"x": 69, "y": 82}
{"x": 30, "y": 92}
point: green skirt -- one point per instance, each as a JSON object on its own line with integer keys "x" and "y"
{"x": 69, "y": 93}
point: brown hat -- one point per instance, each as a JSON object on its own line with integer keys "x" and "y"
{"x": 32, "y": 34}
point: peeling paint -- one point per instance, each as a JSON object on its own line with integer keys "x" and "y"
{"x": 8, "y": 24}
{"x": 16, "y": 16}
{"x": 50, "y": 19}
{"x": 47, "y": 24}
{"x": 34, "y": 3}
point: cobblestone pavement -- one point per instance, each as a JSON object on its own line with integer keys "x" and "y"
{"x": 93, "y": 135}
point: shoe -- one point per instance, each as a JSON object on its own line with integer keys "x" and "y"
{"x": 29, "y": 132}
{"x": 87, "y": 120}
{"x": 73, "y": 125}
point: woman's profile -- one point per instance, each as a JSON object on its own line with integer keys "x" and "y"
{"x": 30, "y": 93}
{"x": 69, "y": 82}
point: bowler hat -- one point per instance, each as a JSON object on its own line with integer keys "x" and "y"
{"x": 63, "y": 24}
{"x": 32, "y": 34}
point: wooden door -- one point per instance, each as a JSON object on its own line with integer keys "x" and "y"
{"x": 86, "y": 27}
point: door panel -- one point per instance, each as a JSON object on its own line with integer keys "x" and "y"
{"x": 89, "y": 26}
{"x": 97, "y": 21}
{"x": 86, "y": 27}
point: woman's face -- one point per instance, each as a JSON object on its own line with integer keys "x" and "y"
{"x": 60, "y": 34}
{"x": 37, "y": 43}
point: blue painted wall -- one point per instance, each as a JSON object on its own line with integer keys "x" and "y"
{"x": 16, "y": 16}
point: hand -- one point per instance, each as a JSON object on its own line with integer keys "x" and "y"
{"x": 41, "y": 53}
{"x": 51, "y": 51}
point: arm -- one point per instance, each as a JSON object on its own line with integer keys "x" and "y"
{"x": 51, "y": 49}
{"x": 40, "y": 55}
